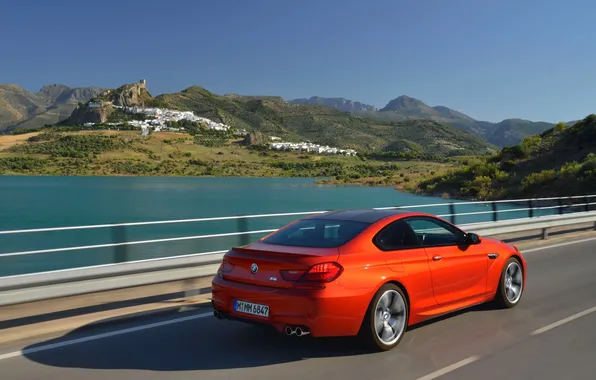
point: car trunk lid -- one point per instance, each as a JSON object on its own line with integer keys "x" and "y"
{"x": 261, "y": 264}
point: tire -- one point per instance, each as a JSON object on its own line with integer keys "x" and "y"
{"x": 377, "y": 315}
{"x": 512, "y": 274}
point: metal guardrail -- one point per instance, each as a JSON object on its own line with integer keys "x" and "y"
{"x": 121, "y": 245}
{"x": 76, "y": 281}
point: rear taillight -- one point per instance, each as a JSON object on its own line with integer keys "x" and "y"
{"x": 324, "y": 272}
{"x": 224, "y": 267}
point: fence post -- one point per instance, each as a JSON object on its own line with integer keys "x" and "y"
{"x": 452, "y": 212}
{"x": 531, "y": 208}
{"x": 120, "y": 251}
{"x": 587, "y": 202}
{"x": 560, "y": 206}
{"x": 243, "y": 227}
{"x": 495, "y": 212}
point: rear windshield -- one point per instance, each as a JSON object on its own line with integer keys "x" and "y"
{"x": 317, "y": 233}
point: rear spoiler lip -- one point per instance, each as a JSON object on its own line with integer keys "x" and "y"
{"x": 282, "y": 254}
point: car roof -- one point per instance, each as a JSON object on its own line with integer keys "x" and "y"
{"x": 360, "y": 215}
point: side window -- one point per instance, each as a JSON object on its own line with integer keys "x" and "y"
{"x": 396, "y": 236}
{"x": 435, "y": 233}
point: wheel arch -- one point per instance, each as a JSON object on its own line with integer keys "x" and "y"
{"x": 402, "y": 287}
{"x": 395, "y": 282}
{"x": 518, "y": 258}
{"x": 522, "y": 264}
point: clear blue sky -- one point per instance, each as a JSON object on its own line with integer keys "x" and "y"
{"x": 491, "y": 59}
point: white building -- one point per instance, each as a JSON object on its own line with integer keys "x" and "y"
{"x": 161, "y": 117}
{"x": 310, "y": 147}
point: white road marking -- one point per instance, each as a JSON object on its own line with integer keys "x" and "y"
{"x": 563, "y": 321}
{"x": 557, "y": 245}
{"x": 449, "y": 368}
{"x": 101, "y": 336}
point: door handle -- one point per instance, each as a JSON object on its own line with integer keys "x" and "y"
{"x": 493, "y": 256}
{"x": 437, "y": 258}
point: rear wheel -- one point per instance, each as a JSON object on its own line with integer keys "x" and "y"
{"x": 386, "y": 319}
{"x": 511, "y": 284}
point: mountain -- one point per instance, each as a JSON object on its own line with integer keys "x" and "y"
{"x": 340, "y": 104}
{"x": 273, "y": 116}
{"x": 323, "y": 124}
{"x": 408, "y": 106}
{"x": 558, "y": 162}
{"x": 507, "y": 132}
{"x": 512, "y": 131}
{"x": 20, "y": 109}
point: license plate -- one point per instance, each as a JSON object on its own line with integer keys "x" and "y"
{"x": 251, "y": 308}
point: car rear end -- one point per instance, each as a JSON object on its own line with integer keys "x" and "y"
{"x": 291, "y": 286}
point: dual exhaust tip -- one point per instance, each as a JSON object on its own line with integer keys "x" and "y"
{"x": 218, "y": 314}
{"x": 290, "y": 330}
{"x": 298, "y": 331}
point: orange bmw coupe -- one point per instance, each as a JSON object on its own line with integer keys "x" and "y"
{"x": 367, "y": 273}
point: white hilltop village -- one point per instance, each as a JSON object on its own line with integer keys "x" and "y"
{"x": 160, "y": 117}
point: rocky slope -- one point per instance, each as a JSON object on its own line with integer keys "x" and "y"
{"x": 100, "y": 108}
{"x": 20, "y": 109}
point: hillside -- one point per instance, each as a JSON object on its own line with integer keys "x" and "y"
{"x": 559, "y": 162}
{"x": 20, "y": 109}
{"x": 340, "y": 104}
{"x": 65, "y": 151}
{"x": 299, "y": 118}
{"x": 512, "y": 131}
{"x": 321, "y": 124}
{"x": 507, "y": 132}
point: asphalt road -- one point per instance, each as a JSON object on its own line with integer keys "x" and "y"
{"x": 549, "y": 335}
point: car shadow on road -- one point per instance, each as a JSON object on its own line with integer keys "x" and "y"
{"x": 196, "y": 344}
{"x": 201, "y": 344}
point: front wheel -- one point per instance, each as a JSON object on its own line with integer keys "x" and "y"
{"x": 386, "y": 319}
{"x": 511, "y": 284}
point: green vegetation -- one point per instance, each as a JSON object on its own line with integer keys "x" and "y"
{"x": 558, "y": 162}
{"x": 73, "y": 146}
{"x": 168, "y": 153}
{"x": 117, "y": 115}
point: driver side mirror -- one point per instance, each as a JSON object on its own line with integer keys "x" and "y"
{"x": 472, "y": 238}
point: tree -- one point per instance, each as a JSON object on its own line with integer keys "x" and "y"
{"x": 560, "y": 126}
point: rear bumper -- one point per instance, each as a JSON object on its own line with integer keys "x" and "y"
{"x": 333, "y": 311}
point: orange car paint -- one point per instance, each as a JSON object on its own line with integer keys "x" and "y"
{"x": 436, "y": 280}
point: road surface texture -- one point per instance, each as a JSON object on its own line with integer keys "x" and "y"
{"x": 548, "y": 336}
